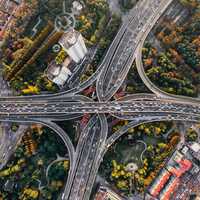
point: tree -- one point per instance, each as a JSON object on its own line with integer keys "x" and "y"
{"x": 31, "y": 90}
{"x": 174, "y": 141}
{"x": 18, "y": 64}
{"x": 23, "y": 15}
{"x": 191, "y": 135}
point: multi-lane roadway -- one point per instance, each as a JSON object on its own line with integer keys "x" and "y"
{"x": 121, "y": 54}
{"x": 86, "y": 158}
{"x": 90, "y": 144}
{"x": 53, "y": 108}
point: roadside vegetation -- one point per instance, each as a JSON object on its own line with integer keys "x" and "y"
{"x": 145, "y": 147}
{"x": 172, "y": 58}
{"x": 25, "y": 56}
{"x": 24, "y": 176}
{"x": 191, "y": 135}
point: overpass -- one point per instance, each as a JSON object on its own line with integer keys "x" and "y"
{"x": 55, "y": 110}
{"x": 141, "y": 108}
{"x": 122, "y": 51}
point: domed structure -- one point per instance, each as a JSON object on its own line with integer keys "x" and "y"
{"x": 131, "y": 167}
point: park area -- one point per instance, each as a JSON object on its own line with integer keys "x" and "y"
{"x": 133, "y": 161}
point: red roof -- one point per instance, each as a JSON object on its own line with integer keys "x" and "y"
{"x": 170, "y": 189}
{"x": 186, "y": 164}
{"x": 119, "y": 95}
{"x": 85, "y": 119}
{"x": 176, "y": 172}
{"x": 89, "y": 91}
{"x": 161, "y": 182}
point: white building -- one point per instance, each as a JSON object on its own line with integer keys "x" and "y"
{"x": 59, "y": 73}
{"x": 73, "y": 43}
{"x": 195, "y": 147}
{"x": 77, "y": 7}
{"x": 195, "y": 150}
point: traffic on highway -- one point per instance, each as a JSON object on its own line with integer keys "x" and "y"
{"x": 94, "y": 142}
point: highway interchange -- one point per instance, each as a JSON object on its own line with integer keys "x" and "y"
{"x": 143, "y": 108}
{"x": 55, "y": 108}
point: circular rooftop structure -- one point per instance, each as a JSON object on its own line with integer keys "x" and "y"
{"x": 131, "y": 167}
{"x": 64, "y": 22}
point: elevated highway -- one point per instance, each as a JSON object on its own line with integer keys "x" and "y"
{"x": 140, "y": 108}
{"x": 90, "y": 144}
{"x": 53, "y": 109}
{"x": 122, "y": 54}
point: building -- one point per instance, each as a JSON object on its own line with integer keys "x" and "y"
{"x": 195, "y": 147}
{"x": 195, "y": 150}
{"x": 159, "y": 183}
{"x": 73, "y": 43}
{"x": 104, "y": 193}
{"x": 169, "y": 178}
{"x": 8, "y": 7}
{"x": 59, "y": 73}
{"x": 169, "y": 188}
{"x": 77, "y": 7}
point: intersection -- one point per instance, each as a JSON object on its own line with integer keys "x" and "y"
{"x": 109, "y": 77}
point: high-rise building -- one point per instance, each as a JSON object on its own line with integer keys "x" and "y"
{"x": 73, "y": 43}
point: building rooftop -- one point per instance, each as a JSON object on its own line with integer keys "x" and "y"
{"x": 105, "y": 193}
{"x": 53, "y": 69}
{"x": 69, "y": 38}
{"x": 58, "y": 73}
{"x": 169, "y": 189}
{"x": 77, "y": 5}
{"x": 195, "y": 147}
{"x": 168, "y": 179}
{"x": 159, "y": 183}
